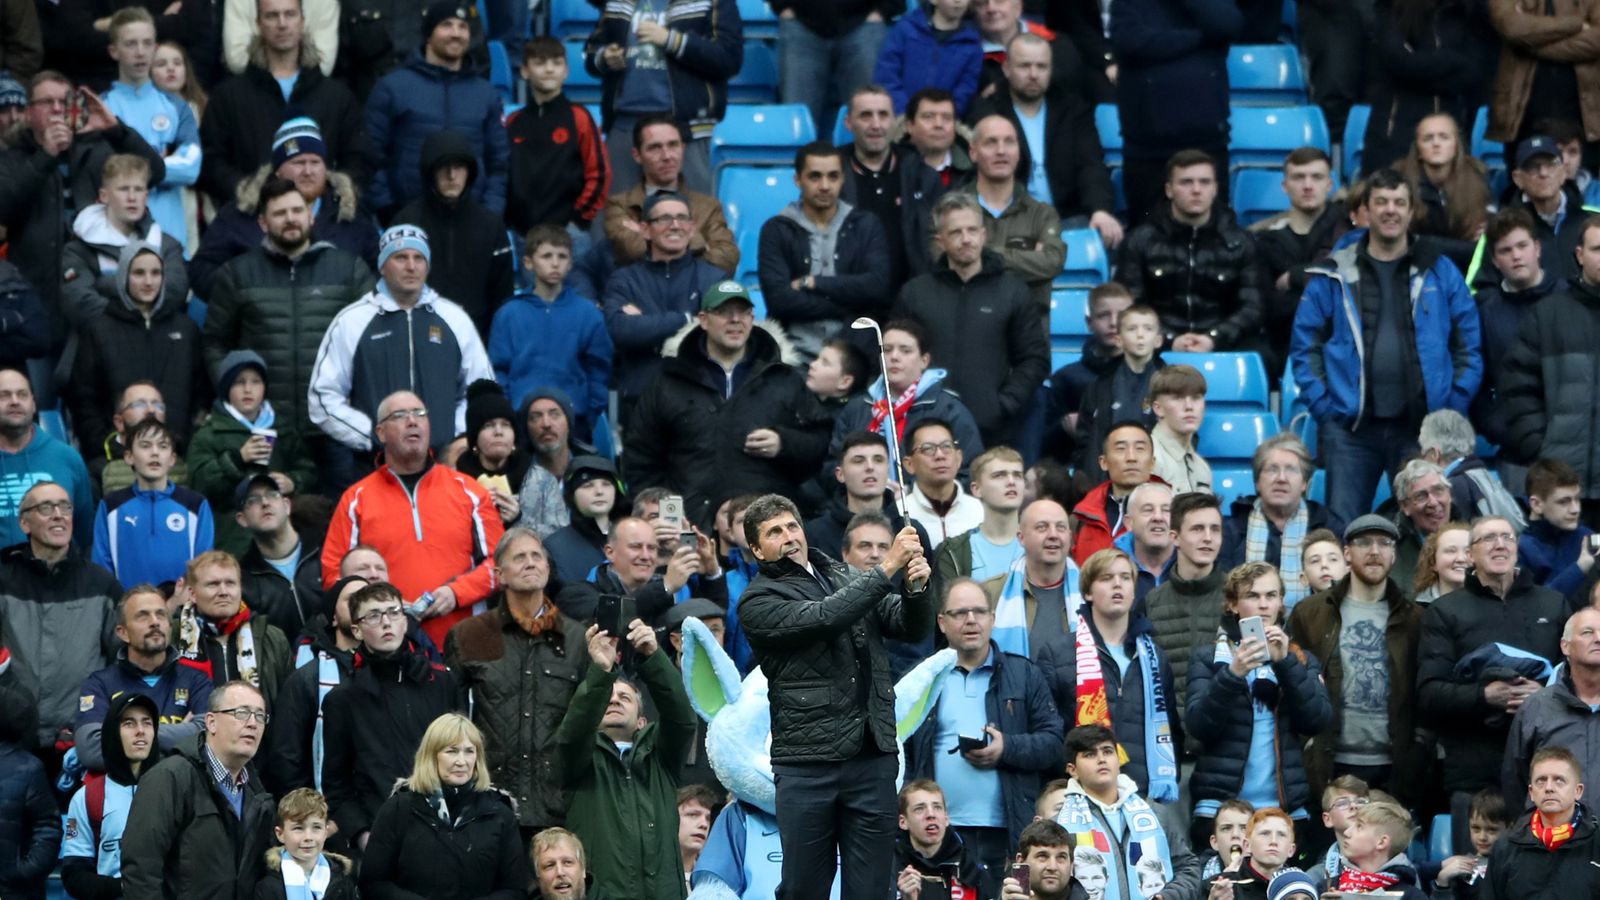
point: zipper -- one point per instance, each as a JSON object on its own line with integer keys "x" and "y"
{"x": 1188, "y": 287}
{"x": 411, "y": 361}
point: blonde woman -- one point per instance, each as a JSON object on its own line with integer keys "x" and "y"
{"x": 446, "y": 834}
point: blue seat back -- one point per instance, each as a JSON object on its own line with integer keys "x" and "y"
{"x": 1233, "y": 380}
{"x": 1108, "y": 122}
{"x": 751, "y": 195}
{"x": 501, "y": 74}
{"x": 758, "y": 20}
{"x": 1355, "y": 140}
{"x": 1087, "y": 264}
{"x": 1230, "y": 481}
{"x": 1265, "y": 75}
{"x": 765, "y": 134}
{"x": 1233, "y": 435}
{"x": 757, "y": 81}
{"x": 581, "y": 87}
{"x": 572, "y": 18}
{"x": 1263, "y": 135}
{"x": 1257, "y": 194}
{"x": 841, "y": 132}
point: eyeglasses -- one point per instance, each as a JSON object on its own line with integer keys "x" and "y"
{"x": 1275, "y": 471}
{"x": 143, "y": 405}
{"x": 400, "y": 415}
{"x": 1438, "y": 490}
{"x": 50, "y": 508}
{"x": 255, "y": 500}
{"x": 961, "y": 615}
{"x": 672, "y": 219}
{"x": 1495, "y": 537}
{"x": 243, "y": 715}
{"x": 1344, "y": 803}
{"x": 391, "y": 614}
{"x": 932, "y": 449}
{"x": 52, "y": 102}
{"x": 1368, "y": 543}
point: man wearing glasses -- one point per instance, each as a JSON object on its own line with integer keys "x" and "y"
{"x": 201, "y": 823}
{"x": 374, "y": 720}
{"x": 1364, "y": 632}
{"x": 436, "y": 527}
{"x": 937, "y": 501}
{"x": 1485, "y": 649}
{"x": 1422, "y": 491}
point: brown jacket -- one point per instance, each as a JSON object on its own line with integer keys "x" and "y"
{"x": 21, "y": 45}
{"x": 1530, "y": 38}
{"x": 712, "y": 241}
{"x": 1316, "y": 625}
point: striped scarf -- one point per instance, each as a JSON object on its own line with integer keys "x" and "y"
{"x": 194, "y": 628}
{"x": 1011, "y": 610}
{"x": 1259, "y": 532}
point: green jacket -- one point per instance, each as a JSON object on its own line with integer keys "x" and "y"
{"x": 952, "y": 560}
{"x": 215, "y": 469}
{"x": 1185, "y": 614}
{"x": 1020, "y": 227}
{"x": 625, "y": 805}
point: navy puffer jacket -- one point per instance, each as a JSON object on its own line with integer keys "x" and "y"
{"x": 419, "y": 99}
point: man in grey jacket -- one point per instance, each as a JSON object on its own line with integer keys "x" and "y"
{"x": 1562, "y": 714}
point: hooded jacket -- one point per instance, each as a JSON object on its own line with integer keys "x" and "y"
{"x": 183, "y": 839}
{"x": 915, "y": 56}
{"x": 45, "y": 458}
{"x": 473, "y": 261}
{"x": 986, "y": 332}
{"x": 704, "y": 50}
{"x": 341, "y": 884}
{"x": 93, "y": 277}
{"x": 117, "y": 346}
{"x": 557, "y": 172}
{"x": 416, "y": 101}
{"x": 667, "y": 294}
{"x": 30, "y": 823}
{"x": 180, "y": 693}
{"x": 949, "y": 866}
{"x": 691, "y": 423}
{"x": 1547, "y": 392}
{"x": 91, "y": 855}
{"x": 1200, "y": 279}
{"x": 561, "y": 343}
{"x": 859, "y": 284}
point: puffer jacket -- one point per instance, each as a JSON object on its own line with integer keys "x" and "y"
{"x": 1219, "y": 711}
{"x": 59, "y": 622}
{"x": 1520, "y": 867}
{"x": 704, "y": 50}
{"x": 1018, "y": 703}
{"x": 215, "y": 468}
{"x": 667, "y": 293}
{"x": 811, "y": 645}
{"x": 1184, "y": 615}
{"x": 412, "y": 853}
{"x": 1548, "y": 396}
{"x": 859, "y": 285}
{"x": 420, "y": 99}
{"x": 30, "y": 823}
{"x": 280, "y": 308}
{"x": 1332, "y": 328}
{"x": 915, "y": 55}
{"x": 182, "y": 828}
{"x": 1316, "y": 625}
{"x": 518, "y": 686}
{"x": 1553, "y": 717}
{"x": 1501, "y": 312}
{"x": 1173, "y": 83}
{"x": 1530, "y": 38}
{"x": 1472, "y": 734}
{"x": 691, "y": 437}
{"x": 1204, "y": 280}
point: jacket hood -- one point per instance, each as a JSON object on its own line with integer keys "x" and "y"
{"x": 341, "y": 190}
{"x": 274, "y": 860}
{"x": 444, "y": 147}
{"x": 93, "y": 227}
{"x": 130, "y": 251}
{"x": 930, "y": 379}
{"x": 1126, "y": 787}
{"x": 767, "y": 342}
{"x": 1546, "y": 286}
{"x": 118, "y": 767}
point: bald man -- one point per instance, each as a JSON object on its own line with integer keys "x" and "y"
{"x": 1562, "y": 714}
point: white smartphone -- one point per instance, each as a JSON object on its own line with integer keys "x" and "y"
{"x": 672, "y": 511}
{"x": 1252, "y": 627}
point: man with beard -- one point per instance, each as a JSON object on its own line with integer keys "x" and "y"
{"x": 147, "y": 664}
{"x": 548, "y": 417}
{"x": 29, "y": 455}
{"x": 1364, "y": 630}
{"x": 126, "y": 736}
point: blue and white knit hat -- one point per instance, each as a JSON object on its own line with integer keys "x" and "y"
{"x": 12, "y": 92}
{"x": 295, "y": 137}
{"x": 403, "y": 237}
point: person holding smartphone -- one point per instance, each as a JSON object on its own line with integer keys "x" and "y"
{"x": 1043, "y": 870}
{"x": 1253, "y": 697}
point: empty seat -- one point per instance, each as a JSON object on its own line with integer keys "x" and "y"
{"x": 1263, "y": 135}
{"x": 761, "y": 134}
{"x": 1355, "y": 139}
{"x": 1265, "y": 75}
{"x": 1230, "y": 482}
{"x": 1257, "y": 194}
{"x": 1062, "y": 356}
{"x": 1108, "y": 122}
{"x": 751, "y": 195}
{"x": 54, "y": 425}
{"x": 1317, "y": 491}
{"x": 581, "y": 87}
{"x": 757, "y": 81}
{"x": 749, "y": 241}
{"x": 758, "y": 21}
{"x": 572, "y": 18}
{"x": 1069, "y": 310}
{"x": 1229, "y": 435}
{"x": 1086, "y": 264}
{"x": 841, "y": 133}
{"x": 1233, "y": 380}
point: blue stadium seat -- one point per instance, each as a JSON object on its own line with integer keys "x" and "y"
{"x": 1233, "y": 380}
{"x": 501, "y": 75}
{"x": 1492, "y": 153}
{"x": 1230, "y": 482}
{"x": 1069, "y": 329}
{"x": 1264, "y": 135}
{"x": 758, "y": 20}
{"x": 1108, "y": 122}
{"x": 1439, "y": 841}
{"x": 1317, "y": 491}
{"x": 1383, "y": 493}
{"x": 764, "y": 134}
{"x": 1290, "y": 32}
{"x": 841, "y": 134}
{"x": 757, "y": 81}
{"x": 1265, "y": 75}
{"x": 54, "y": 425}
{"x": 1234, "y": 435}
{"x": 1086, "y": 264}
{"x": 751, "y": 195}
{"x": 749, "y": 241}
{"x": 1257, "y": 194}
{"x": 572, "y": 18}
{"x": 1355, "y": 139}
{"x": 602, "y": 438}
{"x": 759, "y": 302}
{"x": 1061, "y": 356}
{"x": 581, "y": 86}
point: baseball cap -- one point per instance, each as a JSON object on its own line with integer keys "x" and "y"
{"x": 725, "y": 292}
{"x": 1538, "y": 145}
{"x": 246, "y": 485}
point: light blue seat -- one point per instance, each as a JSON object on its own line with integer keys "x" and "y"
{"x": 751, "y": 195}
{"x": 1230, "y": 482}
{"x": 758, "y": 21}
{"x": 1355, "y": 140}
{"x": 758, "y": 301}
{"x": 1062, "y": 356}
{"x": 1069, "y": 310}
{"x": 763, "y": 134}
{"x": 841, "y": 133}
{"x": 1263, "y": 135}
{"x": 1257, "y": 194}
{"x": 581, "y": 87}
{"x": 1317, "y": 491}
{"x": 501, "y": 74}
{"x": 54, "y": 425}
{"x": 1087, "y": 264}
{"x": 1108, "y": 122}
{"x": 1439, "y": 838}
{"x": 1233, "y": 436}
{"x": 1492, "y": 153}
{"x": 757, "y": 81}
{"x": 1233, "y": 380}
{"x": 1265, "y": 75}
{"x": 749, "y": 242}
{"x": 572, "y": 18}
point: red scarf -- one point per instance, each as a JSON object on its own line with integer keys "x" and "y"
{"x": 880, "y": 410}
{"x": 1553, "y": 838}
{"x": 1364, "y": 882}
{"x": 194, "y": 656}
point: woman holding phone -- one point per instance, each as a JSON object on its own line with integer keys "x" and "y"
{"x": 1253, "y": 698}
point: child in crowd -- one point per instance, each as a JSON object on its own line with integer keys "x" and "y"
{"x": 839, "y": 372}
{"x": 173, "y": 72}
{"x": 1466, "y": 876}
{"x": 1555, "y": 548}
{"x": 1051, "y": 799}
{"x": 1067, "y": 384}
{"x": 1322, "y": 561}
{"x": 1375, "y": 844}
{"x": 1178, "y": 401}
{"x": 1340, "y": 800}
{"x": 934, "y": 45}
{"x": 299, "y": 869}
{"x": 559, "y": 172}
{"x": 147, "y": 533}
{"x": 1227, "y": 838}
{"x": 550, "y": 336}
{"x": 1119, "y": 392}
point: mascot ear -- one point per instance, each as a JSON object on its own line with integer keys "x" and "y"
{"x": 917, "y": 692}
{"x": 709, "y": 675}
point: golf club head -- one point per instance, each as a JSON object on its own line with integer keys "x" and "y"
{"x": 864, "y": 323}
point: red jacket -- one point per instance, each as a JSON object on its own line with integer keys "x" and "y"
{"x": 1092, "y": 525}
{"x": 445, "y": 537}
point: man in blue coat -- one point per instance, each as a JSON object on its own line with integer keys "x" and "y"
{"x": 1386, "y": 333}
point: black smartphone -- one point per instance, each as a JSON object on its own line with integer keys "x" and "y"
{"x": 967, "y": 742}
{"x": 613, "y": 613}
{"x": 1022, "y": 875}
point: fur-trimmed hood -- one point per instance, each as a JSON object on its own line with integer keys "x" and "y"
{"x": 342, "y": 186}
{"x": 785, "y": 347}
{"x": 402, "y": 786}
{"x": 274, "y": 860}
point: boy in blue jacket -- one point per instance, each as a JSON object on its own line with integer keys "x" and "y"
{"x": 148, "y": 532}
{"x": 935, "y": 45}
{"x": 1555, "y": 547}
{"x": 550, "y": 336}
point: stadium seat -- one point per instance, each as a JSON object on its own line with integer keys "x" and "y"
{"x": 501, "y": 74}
{"x": 601, "y": 438}
{"x": 1061, "y": 356}
{"x": 765, "y": 134}
{"x": 1086, "y": 264}
{"x": 759, "y": 302}
{"x": 581, "y": 86}
{"x": 572, "y": 18}
{"x": 1230, "y": 482}
{"x": 1265, "y": 75}
{"x": 749, "y": 242}
{"x": 1233, "y": 380}
{"x": 54, "y": 425}
{"x": 841, "y": 134}
{"x": 1069, "y": 328}
{"x": 1108, "y": 122}
{"x": 751, "y": 195}
{"x": 594, "y": 113}
{"x": 1264, "y": 135}
{"x": 1233, "y": 435}
{"x": 758, "y": 21}
{"x": 757, "y": 81}
{"x": 1317, "y": 491}
{"x": 1492, "y": 153}
{"x": 1439, "y": 841}
{"x": 1257, "y": 194}
{"x": 1290, "y": 32}
{"x": 1355, "y": 139}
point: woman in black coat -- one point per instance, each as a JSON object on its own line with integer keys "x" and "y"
{"x": 446, "y": 834}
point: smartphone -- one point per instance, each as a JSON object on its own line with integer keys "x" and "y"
{"x": 967, "y": 742}
{"x": 1022, "y": 875}
{"x": 687, "y": 539}
{"x": 1252, "y": 627}
{"x": 1594, "y": 545}
{"x": 672, "y": 512}
{"x": 613, "y": 613}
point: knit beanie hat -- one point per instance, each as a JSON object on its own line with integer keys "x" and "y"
{"x": 439, "y": 11}
{"x": 403, "y": 237}
{"x": 234, "y": 364}
{"x": 486, "y": 401}
{"x": 296, "y": 137}
{"x": 12, "y": 92}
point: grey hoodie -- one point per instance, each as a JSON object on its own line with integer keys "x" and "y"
{"x": 822, "y": 239}
{"x": 125, "y": 259}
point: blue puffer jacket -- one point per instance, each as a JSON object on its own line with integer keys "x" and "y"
{"x": 704, "y": 49}
{"x": 667, "y": 295}
{"x": 563, "y": 343}
{"x": 914, "y": 58}
{"x": 30, "y": 826}
{"x": 1173, "y": 87}
{"x": 1327, "y": 350}
{"x": 418, "y": 99}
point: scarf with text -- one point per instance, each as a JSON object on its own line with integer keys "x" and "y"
{"x": 193, "y": 629}
{"x": 1358, "y": 882}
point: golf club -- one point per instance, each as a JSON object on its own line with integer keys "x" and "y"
{"x": 867, "y": 324}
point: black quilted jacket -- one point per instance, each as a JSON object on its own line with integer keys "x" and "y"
{"x": 1202, "y": 280}
{"x": 813, "y": 647}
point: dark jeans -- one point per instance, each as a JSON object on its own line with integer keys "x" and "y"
{"x": 823, "y": 72}
{"x": 1355, "y": 460}
{"x": 1333, "y": 40}
{"x": 837, "y": 814}
{"x": 1144, "y": 183}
